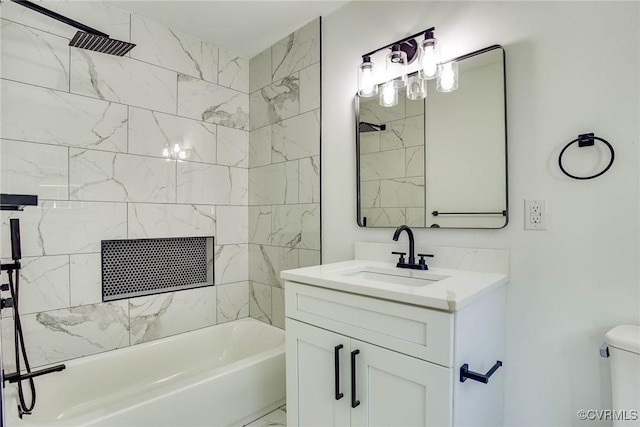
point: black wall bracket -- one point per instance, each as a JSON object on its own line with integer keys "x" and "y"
{"x": 483, "y": 378}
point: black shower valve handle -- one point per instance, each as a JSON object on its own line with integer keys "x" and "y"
{"x": 402, "y": 254}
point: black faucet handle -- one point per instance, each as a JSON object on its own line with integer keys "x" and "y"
{"x": 402, "y": 254}
{"x": 422, "y": 262}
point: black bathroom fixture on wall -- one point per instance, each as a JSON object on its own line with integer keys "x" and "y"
{"x": 364, "y": 127}
{"x": 586, "y": 140}
{"x": 87, "y": 38}
{"x": 395, "y": 76}
{"x": 17, "y": 202}
{"x": 466, "y": 374}
{"x": 13, "y": 272}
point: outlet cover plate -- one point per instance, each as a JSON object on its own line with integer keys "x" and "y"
{"x": 535, "y": 214}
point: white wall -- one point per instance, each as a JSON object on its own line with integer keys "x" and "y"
{"x": 571, "y": 68}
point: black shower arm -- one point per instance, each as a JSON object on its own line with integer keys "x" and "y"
{"x": 59, "y": 17}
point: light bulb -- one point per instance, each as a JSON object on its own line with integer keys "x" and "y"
{"x": 176, "y": 148}
{"x": 367, "y": 83}
{"x": 389, "y": 95}
{"x": 366, "y": 78}
{"x": 429, "y": 63}
{"x": 165, "y": 152}
{"x": 429, "y": 57}
{"x": 447, "y": 77}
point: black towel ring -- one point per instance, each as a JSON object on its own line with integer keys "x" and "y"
{"x": 586, "y": 140}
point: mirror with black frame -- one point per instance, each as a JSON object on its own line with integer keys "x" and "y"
{"x": 441, "y": 161}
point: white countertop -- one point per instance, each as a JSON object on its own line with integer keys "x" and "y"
{"x": 452, "y": 293}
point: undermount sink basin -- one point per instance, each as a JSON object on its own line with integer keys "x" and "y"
{"x": 396, "y": 276}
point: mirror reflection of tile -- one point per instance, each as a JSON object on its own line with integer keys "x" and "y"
{"x": 445, "y": 153}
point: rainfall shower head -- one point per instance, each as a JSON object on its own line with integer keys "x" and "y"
{"x": 371, "y": 127}
{"x": 99, "y": 43}
{"x": 87, "y": 38}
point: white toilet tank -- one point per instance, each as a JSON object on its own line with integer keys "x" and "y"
{"x": 624, "y": 353}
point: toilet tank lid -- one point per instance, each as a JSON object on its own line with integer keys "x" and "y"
{"x": 624, "y": 337}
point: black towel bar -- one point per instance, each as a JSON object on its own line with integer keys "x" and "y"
{"x": 483, "y": 378}
{"x": 436, "y": 213}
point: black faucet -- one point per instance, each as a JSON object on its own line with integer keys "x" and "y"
{"x": 396, "y": 236}
{"x": 422, "y": 265}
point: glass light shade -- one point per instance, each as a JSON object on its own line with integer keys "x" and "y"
{"x": 429, "y": 58}
{"x": 416, "y": 88}
{"x": 397, "y": 67}
{"x": 367, "y": 86}
{"x": 388, "y": 95}
{"x": 447, "y": 77}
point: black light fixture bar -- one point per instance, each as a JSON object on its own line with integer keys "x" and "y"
{"x": 59, "y": 17}
{"x": 399, "y": 41}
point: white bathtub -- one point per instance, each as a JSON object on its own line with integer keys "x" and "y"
{"x": 224, "y": 375}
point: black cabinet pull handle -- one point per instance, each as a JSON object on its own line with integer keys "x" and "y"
{"x": 336, "y": 356}
{"x": 354, "y": 402}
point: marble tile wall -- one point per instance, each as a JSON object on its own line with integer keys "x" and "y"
{"x": 86, "y": 132}
{"x": 392, "y": 176}
{"x": 284, "y": 167}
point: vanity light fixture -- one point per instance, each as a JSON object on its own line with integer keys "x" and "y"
{"x": 404, "y": 52}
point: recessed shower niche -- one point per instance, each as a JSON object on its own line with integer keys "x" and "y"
{"x": 138, "y": 267}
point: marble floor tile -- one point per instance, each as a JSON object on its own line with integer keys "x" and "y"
{"x": 274, "y": 418}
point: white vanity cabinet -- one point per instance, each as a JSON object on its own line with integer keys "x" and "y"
{"x": 355, "y": 360}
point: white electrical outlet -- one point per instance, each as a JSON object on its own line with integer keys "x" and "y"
{"x": 535, "y": 214}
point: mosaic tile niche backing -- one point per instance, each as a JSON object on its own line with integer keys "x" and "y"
{"x": 137, "y": 267}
